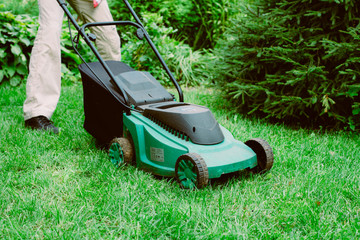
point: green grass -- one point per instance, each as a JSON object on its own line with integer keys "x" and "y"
{"x": 63, "y": 187}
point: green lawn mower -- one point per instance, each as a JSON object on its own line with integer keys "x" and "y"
{"x": 148, "y": 128}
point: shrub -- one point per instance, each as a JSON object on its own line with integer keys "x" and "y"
{"x": 200, "y": 22}
{"x": 185, "y": 63}
{"x": 16, "y": 36}
{"x": 294, "y": 60}
{"x": 20, "y": 7}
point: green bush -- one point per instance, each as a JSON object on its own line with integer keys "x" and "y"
{"x": 16, "y": 36}
{"x": 185, "y": 63}
{"x": 200, "y": 23}
{"x": 20, "y": 7}
{"x": 295, "y": 61}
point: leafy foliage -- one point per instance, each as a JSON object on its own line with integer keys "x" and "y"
{"x": 16, "y": 36}
{"x": 294, "y": 60}
{"x": 19, "y": 7}
{"x": 182, "y": 60}
{"x": 185, "y": 63}
{"x": 200, "y": 23}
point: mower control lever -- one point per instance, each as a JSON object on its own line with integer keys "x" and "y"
{"x": 140, "y": 34}
{"x": 92, "y": 37}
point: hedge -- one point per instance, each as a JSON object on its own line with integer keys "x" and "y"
{"x": 17, "y": 34}
{"x": 296, "y": 61}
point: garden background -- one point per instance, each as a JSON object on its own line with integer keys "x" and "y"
{"x": 286, "y": 71}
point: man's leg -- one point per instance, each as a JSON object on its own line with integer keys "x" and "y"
{"x": 44, "y": 80}
{"x": 107, "y": 38}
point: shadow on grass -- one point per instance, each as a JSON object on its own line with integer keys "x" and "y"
{"x": 229, "y": 178}
{"x": 218, "y": 183}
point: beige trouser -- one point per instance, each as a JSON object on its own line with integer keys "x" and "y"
{"x": 44, "y": 80}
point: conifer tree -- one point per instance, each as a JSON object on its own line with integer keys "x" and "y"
{"x": 295, "y": 60}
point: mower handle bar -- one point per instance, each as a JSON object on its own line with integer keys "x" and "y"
{"x": 148, "y": 39}
{"x": 139, "y": 25}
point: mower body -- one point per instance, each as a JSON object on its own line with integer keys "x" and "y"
{"x": 157, "y": 148}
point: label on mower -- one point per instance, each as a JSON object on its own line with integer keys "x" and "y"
{"x": 157, "y": 154}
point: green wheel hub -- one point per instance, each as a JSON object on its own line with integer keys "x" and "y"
{"x": 187, "y": 174}
{"x": 116, "y": 154}
{"x": 191, "y": 171}
{"x": 121, "y": 152}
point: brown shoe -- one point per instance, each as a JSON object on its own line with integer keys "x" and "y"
{"x": 41, "y": 123}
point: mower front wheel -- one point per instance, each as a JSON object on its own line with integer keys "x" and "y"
{"x": 121, "y": 152}
{"x": 264, "y": 154}
{"x": 191, "y": 171}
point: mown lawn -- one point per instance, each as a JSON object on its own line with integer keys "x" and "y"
{"x": 63, "y": 187}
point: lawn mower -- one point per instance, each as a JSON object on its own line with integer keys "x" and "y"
{"x": 147, "y": 127}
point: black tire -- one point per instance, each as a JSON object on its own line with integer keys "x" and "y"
{"x": 191, "y": 171}
{"x": 264, "y": 154}
{"x": 121, "y": 151}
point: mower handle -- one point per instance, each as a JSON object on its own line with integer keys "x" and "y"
{"x": 139, "y": 25}
{"x": 88, "y": 41}
{"x": 148, "y": 39}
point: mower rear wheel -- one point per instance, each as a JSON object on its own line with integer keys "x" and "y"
{"x": 264, "y": 154}
{"x": 191, "y": 171}
{"x": 121, "y": 151}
